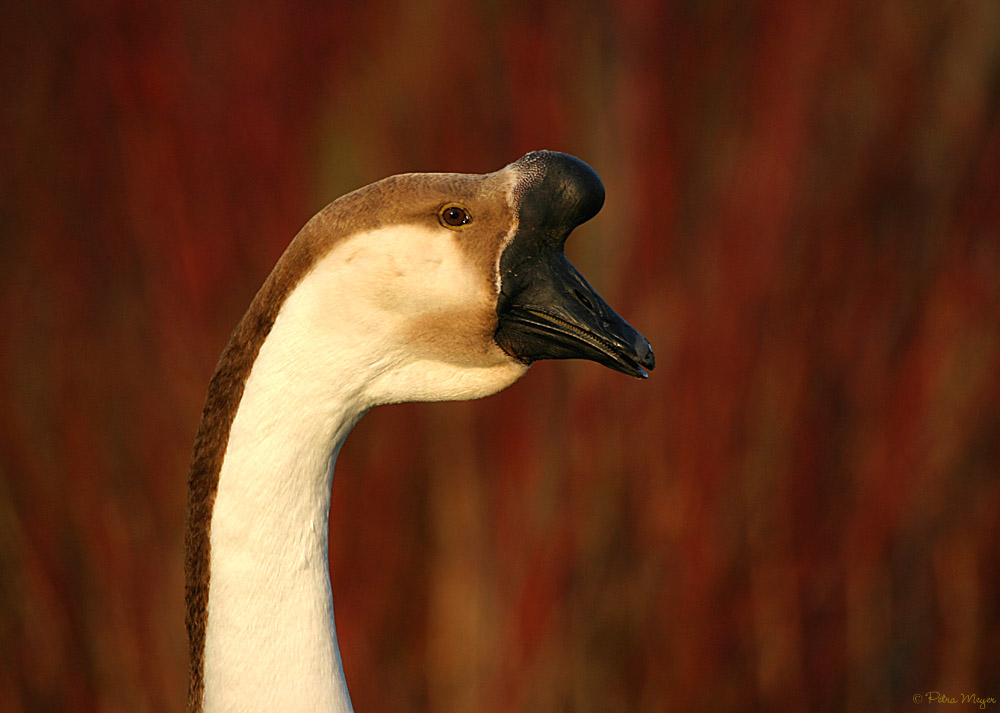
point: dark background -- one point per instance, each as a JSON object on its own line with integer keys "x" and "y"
{"x": 798, "y": 511}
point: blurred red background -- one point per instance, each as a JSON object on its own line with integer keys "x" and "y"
{"x": 797, "y": 511}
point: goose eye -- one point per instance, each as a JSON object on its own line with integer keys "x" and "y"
{"x": 454, "y": 216}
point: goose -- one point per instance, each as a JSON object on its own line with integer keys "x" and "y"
{"x": 418, "y": 287}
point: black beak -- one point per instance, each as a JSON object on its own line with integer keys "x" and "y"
{"x": 546, "y": 309}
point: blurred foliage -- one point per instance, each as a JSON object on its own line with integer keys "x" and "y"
{"x": 798, "y": 511}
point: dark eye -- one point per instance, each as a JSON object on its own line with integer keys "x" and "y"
{"x": 453, "y": 215}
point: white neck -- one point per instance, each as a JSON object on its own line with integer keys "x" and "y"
{"x": 270, "y": 641}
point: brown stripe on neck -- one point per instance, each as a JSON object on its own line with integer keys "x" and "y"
{"x": 224, "y": 394}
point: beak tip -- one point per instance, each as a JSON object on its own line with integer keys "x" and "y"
{"x": 645, "y": 356}
{"x": 644, "y": 366}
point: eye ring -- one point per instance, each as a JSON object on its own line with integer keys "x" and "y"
{"x": 454, "y": 216}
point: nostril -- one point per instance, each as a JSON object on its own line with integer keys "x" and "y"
{"x": 584, "y": 300}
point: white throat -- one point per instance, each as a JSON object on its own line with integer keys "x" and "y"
{"x": 270, "y": 641}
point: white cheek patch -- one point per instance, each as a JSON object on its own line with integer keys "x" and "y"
{"x": 406, "y": 271}
{"x": 408, "y": 302}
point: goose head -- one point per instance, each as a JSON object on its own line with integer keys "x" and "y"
{"x": 418, "y": 287}
{"x": 458, "y": 282}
